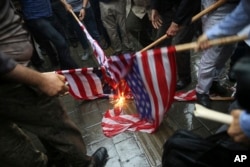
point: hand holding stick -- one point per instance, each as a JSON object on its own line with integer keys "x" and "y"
{"x": 195, "y": 18}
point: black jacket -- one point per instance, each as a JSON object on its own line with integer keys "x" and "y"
{"x": 184, "y": 9}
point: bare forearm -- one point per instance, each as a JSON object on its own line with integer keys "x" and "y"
{"x": 50, "y": 83}
{"x": 84, "y": 3}
{"x": 25, "y": 75}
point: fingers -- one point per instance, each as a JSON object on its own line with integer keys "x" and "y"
{"x": 53, "y": 84}
{"x": 65, "y": 86}
{"x": 64, "y": 90}
{"x": 157, "y": 24}
{"x": 61, "y": 77}
{"x": 202, "y": 43}
{"x": 171, "y": 33}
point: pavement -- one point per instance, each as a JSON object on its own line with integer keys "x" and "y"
{"x": 136, "y": 149}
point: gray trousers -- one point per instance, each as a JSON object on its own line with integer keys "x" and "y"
{"x": 113, "y": 16}
{"x": 213, "y": 59}
{"x": 23, "y": 107}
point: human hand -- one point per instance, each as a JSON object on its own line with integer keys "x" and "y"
{"x": 156, "y": 19}
{"x": 235, "y": 130}
{"x": 82, "y": 14}
{"x": 53, "y": 84}
{"x": 202, "y": 43}
{"x": 173, "y": 29}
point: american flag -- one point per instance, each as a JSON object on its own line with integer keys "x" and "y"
{"x": 151, "y": 76}
{"x": 97, "y": 50}
{"x": 185, "y": 95}
{"x": 86, "y": 83}
{"x": 90, "y": 83}
{"x": 152, "y": 80}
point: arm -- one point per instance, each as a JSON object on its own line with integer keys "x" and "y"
{"x": 232, "y": 24}
{"x": 49, "y": 83}
{"x": 185, "y": 11}
{"x": 6, "y": 64}
{"x": 82, "y": 11}
{"x": 155, "y": 16}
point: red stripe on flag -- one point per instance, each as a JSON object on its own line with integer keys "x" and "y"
{"x": 149, "y": 81}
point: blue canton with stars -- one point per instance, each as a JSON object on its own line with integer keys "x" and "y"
{"x": 140, "y": 93}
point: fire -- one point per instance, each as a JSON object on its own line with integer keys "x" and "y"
{"x": 119, "y": 102}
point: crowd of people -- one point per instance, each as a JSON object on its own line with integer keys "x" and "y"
{"x": 28, "y": 98}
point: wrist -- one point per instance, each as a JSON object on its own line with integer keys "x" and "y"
{"x": 83, "y": 8}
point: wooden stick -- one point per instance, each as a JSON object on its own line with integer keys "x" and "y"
{"x": 155, "y": 43}
{"x": 219, "y": 41}
{"x": 212, "y": 115}
{"x": 74, "y": 15}
{"x": 208, "y": 9}
{"x": 194, "y": 18}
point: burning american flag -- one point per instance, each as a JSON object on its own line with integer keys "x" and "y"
{"x": 150, "y": 76}
{"x": 152, "y": 79}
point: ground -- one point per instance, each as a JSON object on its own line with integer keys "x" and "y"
{"x": 136, "y": 149}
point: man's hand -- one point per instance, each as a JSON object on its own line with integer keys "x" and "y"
{"x": 173, "y": 29}
{"x": 156, "y": 19}
{"x": 50, "y": 83}
{"x": 82, "y": 14}
{"x": 235, "y": 130}
{"x": 202, "y": 43}
{"x": 53, "y": 84}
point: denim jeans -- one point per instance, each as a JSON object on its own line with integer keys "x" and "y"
{"x": 90, "y": 25}
{"x": 49, "y": 29}
{"x": 101, "y": 29}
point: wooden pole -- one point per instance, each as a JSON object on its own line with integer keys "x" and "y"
{"x": 155, "y": 43}
{"x": 194, "y": 18}
{"x": 208, "y": 9}
{"x": 219, "y": 41}
{"x": 74, "y": 15}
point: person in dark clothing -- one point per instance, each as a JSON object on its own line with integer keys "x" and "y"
{"x": 28, "y": 101}
{"x": 42, "y": 24}
{"x": 101, "y": 29}
{"x": 174, "y": 19}
{"x": 137, "y": 21}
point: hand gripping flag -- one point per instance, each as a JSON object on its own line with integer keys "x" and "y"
{"x": 151, "y": 76}
{"x": 86, "y": 83}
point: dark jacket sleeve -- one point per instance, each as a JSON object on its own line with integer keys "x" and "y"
{"x": 154, "y": 4}
{"x": 186, "y": 10}
{"x": 162, "y": 6}
{"x": 6, "y": 64}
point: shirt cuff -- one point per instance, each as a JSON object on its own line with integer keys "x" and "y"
{"x": 245, "y": 123}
